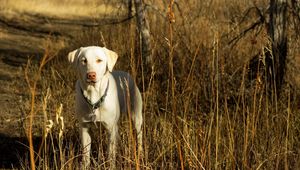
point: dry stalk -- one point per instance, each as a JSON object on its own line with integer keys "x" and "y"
{"x": 32, "y": 84}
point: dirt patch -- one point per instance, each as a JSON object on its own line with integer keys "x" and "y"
{"x": 12, "y": 95}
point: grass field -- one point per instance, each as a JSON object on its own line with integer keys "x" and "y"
{"x": 201, "y": 110}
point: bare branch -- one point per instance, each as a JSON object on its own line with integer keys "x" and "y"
{"x": 261, "y": 20}
{"x": 242, "y": 34}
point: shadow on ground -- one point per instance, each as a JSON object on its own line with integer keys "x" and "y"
{"x": 14, "y": 150}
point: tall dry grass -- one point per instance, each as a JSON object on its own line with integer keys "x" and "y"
{"x": 200, "y": 109}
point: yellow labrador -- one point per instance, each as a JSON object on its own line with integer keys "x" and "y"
{"x": 101, "y": 95}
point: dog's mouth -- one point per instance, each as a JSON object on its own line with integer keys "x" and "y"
{"x": 91, "y": 82}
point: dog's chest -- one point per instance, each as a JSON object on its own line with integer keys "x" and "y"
{"x": 86, "y": 113}
{"x": 98, "y": 106}
{"x": 106, "y": 112}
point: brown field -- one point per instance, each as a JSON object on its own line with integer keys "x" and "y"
{"x": 201, "y": 110}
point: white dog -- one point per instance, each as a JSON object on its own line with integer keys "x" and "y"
{"x": 101, "y": 95}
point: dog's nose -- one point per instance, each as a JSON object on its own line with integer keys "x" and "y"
{"x": 91, "y": 75}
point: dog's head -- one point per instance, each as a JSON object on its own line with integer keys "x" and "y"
{"x": 92, "y": 62}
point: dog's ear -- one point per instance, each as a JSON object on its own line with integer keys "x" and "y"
{"x": 73, "y": 56}
{"x": 111, "y": 58}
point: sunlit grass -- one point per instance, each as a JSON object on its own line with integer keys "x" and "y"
{"x": 63, "y": 8}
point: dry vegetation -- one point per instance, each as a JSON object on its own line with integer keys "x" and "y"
{"x": 200, "y": 109}
{"x": 64, "y": 8}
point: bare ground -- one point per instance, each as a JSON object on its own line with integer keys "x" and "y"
{"x": 12, "y": 94}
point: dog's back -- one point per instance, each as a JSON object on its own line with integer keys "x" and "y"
{"x": 126, "y": 84}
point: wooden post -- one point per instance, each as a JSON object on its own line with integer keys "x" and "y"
{"x": 143, "y": 29}
{"x": 278, "y": 35}
{"x": 129, "y": 8}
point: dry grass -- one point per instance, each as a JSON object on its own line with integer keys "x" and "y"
{"x": 200, "y": 109}
{"x": 64, "y": 8}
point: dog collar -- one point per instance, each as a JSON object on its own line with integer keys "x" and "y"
{"x": 99, "y": 102}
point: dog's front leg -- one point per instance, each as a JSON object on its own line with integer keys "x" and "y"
{"x": 86, "y": 144}
{"x": 113, "y": 146}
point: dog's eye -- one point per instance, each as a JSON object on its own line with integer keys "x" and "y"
{"x": 98, "y": 61}
{"x": 84, "y": 61}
